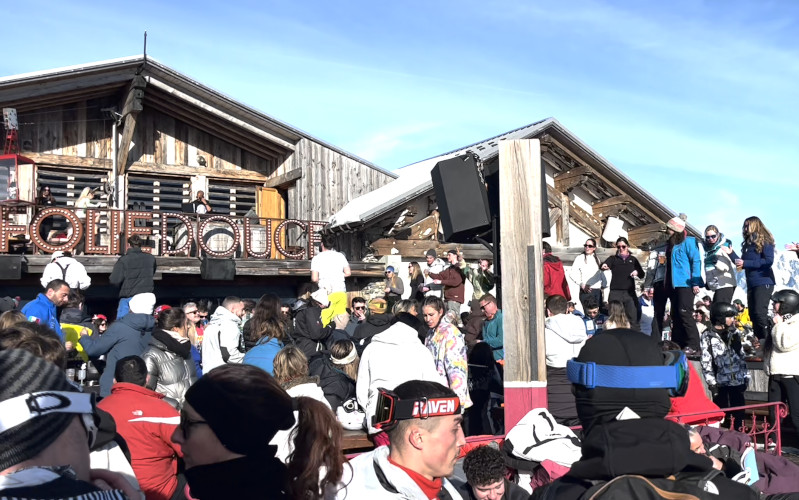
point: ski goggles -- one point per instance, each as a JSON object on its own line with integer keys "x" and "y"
{"x": 20, "y": 409}
{"x": 390, "y": 408}
{"x": 673, "y": 375}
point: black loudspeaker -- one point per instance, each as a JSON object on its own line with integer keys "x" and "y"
{"x": 11, "y": 267}
{"x": 462, "y": 199}
{"x": 218, "y": 269}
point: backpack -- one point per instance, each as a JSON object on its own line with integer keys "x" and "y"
{"x": 684, "y": 486}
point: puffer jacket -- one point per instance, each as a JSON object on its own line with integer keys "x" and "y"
{"x": 723, "y": 361}
{"x": 446, "y": 344}
{"x": 170, "y": 366}
{"x": 133, "y": 273}
{"x": 41, "y": 310}
{"x": 128, "y": 336}
{"x": 782, "y": 355}
{"x": 757, "y": 265}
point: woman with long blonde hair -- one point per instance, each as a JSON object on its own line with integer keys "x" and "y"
{"x": 417, "y": 281}
{"x": 757, "y": 256}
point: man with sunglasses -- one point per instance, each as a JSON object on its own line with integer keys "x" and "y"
{"x": 423, "y": 421}
{"x": 47, "y": 427}
{"x": 622, "y": 382}
{"x": 357, "y": 314}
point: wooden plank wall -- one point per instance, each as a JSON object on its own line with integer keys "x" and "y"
{"x": 81, "y": 130}
{"x": 330, "y": 180}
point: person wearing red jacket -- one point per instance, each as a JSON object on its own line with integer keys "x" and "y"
{"x": 453, "y": 280}
{"x": 146, "y": 422}
{"x": 554, "y": 275}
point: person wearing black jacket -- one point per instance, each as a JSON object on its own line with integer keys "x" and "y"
{"x": 377, "y": 321}
{"x": 626, "y": 436}
{"x": 309, "y": 334}
{"x": 624, "y": 268}
{"x": 133, "y": 273}
{"x": 337, "y": 385}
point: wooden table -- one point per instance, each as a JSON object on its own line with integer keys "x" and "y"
{"x": 356, "y": 442}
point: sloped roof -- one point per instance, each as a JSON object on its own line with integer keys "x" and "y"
{"x": 85, "y": 80}
{"x": 415, "y": 180}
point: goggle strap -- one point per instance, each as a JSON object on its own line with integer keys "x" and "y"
{"x": 592, "y": 375}
{"x": 20, "y": 409}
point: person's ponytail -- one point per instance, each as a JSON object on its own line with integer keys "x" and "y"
{"x": 317, "y": 450}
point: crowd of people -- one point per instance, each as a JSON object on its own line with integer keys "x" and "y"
{"x": 239, "y": 398}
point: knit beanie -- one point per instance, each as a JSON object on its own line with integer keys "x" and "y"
{"x": 676, "y": 224}
{"x": 21, "y": 373}
{"x": 142, "y": 303}
{"x": 620, "y": 347}
{"x": 244, "y": 406}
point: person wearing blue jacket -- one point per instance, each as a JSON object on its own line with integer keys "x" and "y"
{"x": 270, "y": 341}
{"x": 757, "y": 256}
{"x": 42, "y": 309}
{"x": 683, "y": 282}
{"x": 129, "y": 336}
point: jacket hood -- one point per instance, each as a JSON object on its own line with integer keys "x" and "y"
{"x": 222, "y": 314}
{"x": 73, "y": 316}
{"x": 397, "y": 334}
{"x": 166, "y": 342}
{"x": 651, "y": 447}
{"x": 568, "y": 327}
{"x": 378, "y": 319}
{"x": 142, "y": 322}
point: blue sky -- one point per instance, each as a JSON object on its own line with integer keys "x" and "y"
{"x": 696, "y": 101}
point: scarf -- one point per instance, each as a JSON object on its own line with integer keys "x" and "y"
{"x": 711, "y": 250}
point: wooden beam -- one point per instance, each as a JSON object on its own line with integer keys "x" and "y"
{"x": 415, "y": 249}
{"x": 130, "y": 112}
{"x": 554, "y": 215}
{"x": 104, "y": 165}
{"x": 522, "y": 277}
{"x": 578, "y": 216}
{"x": 283, "y": 181}
{"x": 565, "y": 220}
{"x": 566, "y": 181}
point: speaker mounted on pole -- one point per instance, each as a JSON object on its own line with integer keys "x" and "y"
{"x": 462, "y": 199}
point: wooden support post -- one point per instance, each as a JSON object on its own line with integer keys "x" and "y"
{"x": 522, "y": 278}
{"x": 563, "y": 223}
{"x": 130, "y": 111}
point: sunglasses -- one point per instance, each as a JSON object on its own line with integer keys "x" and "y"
{"x": 589, "y": 246}
{"x": 621, "y": 247}
{"x": 711, "y": 236}
{"x": 192, "y": 312}
{"x": 360, "y": 308}
{"x": 186, "y": 424}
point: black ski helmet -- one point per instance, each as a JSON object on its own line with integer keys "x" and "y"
{"x": 788, "y": 300}
{"x": 720, "y": 311}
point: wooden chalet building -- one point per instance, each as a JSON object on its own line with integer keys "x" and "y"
{"x": 586, "y": 194}
{"x": 148, "y": 138}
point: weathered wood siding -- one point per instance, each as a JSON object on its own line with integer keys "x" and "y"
{"x": 330, "y": 180}
{"x": 82, "y": 130}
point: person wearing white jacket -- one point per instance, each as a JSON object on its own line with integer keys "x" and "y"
{"x": 222, "y": 340}
{"x": 564, "y": 336}
{"x": 585, "y": 273}
{"x": 63, "y": 267}
{"x": 394, "y": 356}
{"x": 782, "y": 352}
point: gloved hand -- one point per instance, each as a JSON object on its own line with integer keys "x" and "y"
{"x": 714, "y": 389}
